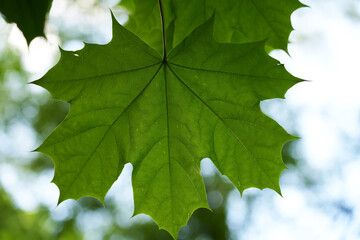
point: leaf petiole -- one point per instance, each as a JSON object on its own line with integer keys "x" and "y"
{"x": 163, "y": 31}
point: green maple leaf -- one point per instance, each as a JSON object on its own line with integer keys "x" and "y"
{"x": 163, "y": 115}
{"x": 236, "y": 21}
{"x": 29, "y": 15}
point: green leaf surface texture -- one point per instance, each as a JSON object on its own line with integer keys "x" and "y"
{"x": 29, "y": 15}
{"x": 236, "y": 21}
{"x": 164, "y": 115}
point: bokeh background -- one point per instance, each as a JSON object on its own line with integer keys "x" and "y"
{"x": 321, "y": 188}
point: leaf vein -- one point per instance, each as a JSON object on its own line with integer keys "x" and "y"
{"x": 110, "y": 127}
{"x": 229, "y": 73}
{"x": 229, "y": 129}
{"x": 106, "y": 74}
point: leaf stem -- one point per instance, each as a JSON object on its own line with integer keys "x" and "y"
{"x": 163, "y": 31}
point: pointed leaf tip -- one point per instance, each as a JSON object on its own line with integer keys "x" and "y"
{"x": 115, "y": 24}
{"x": 113, "y": 18}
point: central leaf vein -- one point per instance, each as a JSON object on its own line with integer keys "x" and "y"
{"x": 168, "y": 137}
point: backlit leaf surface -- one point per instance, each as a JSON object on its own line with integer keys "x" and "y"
{"x": 130, "y": 105}
{"x": 237, "y": 21}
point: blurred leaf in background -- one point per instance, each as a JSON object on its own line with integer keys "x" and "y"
{"x": 29, "y": 15}
{"x": 270, "y": 19}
